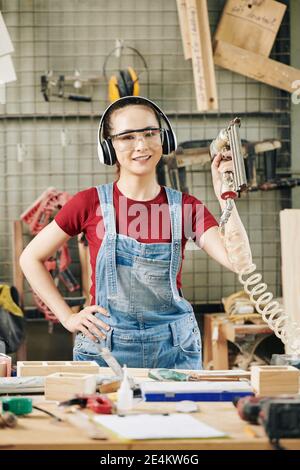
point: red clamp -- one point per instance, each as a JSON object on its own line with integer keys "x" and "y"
{"x": 97, "y": 403}
{"x": 100, "y": 404}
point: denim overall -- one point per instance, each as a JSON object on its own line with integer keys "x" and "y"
{"x": 152, "y": 326}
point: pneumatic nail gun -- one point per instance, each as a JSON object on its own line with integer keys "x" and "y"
{"x": 233, "y": 183}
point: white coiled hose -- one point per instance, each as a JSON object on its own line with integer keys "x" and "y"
{"x": 270, "y": 309}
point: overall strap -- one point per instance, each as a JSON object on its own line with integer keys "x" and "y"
{"x": 105, "y": 194}
{"x": 175, "y": 207}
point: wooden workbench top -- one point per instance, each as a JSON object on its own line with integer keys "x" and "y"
{"x": 39, "y": 432}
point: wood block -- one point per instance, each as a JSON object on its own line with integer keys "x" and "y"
{"x": 109, "y": 387}
{"x": 290, "y": 267}
{"x": 3, "y": 369}
{"x": 17, "y": 247}
{"x": 42, "y": 368}
{"x": 219, "y": 347}
{"x": 63, "y": 385}
{"x": 255, "y": 66}
{"x": 251, "y": 25}
{"x": 275, "y": 380}
{"x": 184, "y": 29}
{"x": 232, "y": 331}
{"x": 202, "y": 55}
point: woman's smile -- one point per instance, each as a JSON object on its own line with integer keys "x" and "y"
{"x": 142, "y": 158}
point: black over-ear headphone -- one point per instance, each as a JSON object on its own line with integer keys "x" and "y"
{"x": 106, "y": 151}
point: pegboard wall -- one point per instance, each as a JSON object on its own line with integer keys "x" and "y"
{"x": 53, "y": 143}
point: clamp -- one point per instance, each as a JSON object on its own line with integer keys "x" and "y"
{"x": 99, "y": 404}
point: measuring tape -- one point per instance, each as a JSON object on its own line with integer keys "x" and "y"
{"x": 17, "y": 406}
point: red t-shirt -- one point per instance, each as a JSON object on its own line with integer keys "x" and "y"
{"x": 146, "y": 221}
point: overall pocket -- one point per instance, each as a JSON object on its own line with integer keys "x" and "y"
{"x": 190, "y": 341}
{"x": 159, "y": 282}
{"x": 86, "y": 350}
{"x": 189, "y": 350}
{"x": 152, "y": 288}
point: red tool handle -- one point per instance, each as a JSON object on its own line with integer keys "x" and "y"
{"x": 100, "y": 405}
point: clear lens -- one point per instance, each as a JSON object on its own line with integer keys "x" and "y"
{"x": 129, "y": 140}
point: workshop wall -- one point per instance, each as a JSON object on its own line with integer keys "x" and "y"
{"x": 54, "y": 144}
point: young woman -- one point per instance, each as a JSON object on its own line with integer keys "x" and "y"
{"x": 136, "y": 231}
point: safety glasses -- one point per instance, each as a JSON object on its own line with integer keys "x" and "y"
{"x": 128, "y": 140}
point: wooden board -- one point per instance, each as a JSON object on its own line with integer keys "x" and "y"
{"x": 17, "y": 248}
{"x": 251, "y": 25}
{"x": 219, "y": 349}
{"x": 202, "y": 56}
{"x": 255, "y": 66}
{"x": 290, "y": 267}
{"x": 3, "y": 369}
{"x": 184, "y": 29}
{"x": 43, "y": 368}
{"x": 232, "y": 331}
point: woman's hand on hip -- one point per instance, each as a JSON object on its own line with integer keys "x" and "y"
{"x": 86, "y": 322}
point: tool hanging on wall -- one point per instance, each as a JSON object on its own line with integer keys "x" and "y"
{"x": 37, "y": 216}
{"x": 271, "y": 179}
{"x": 67, "y": 86}
{"x": 126, "y": 81}
{"x": 196, "y": 152}
{"x": 188, "y": 153}
{"x": 268, "y": 179}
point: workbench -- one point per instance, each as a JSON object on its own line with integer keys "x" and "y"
{"x": 38, "y": 431}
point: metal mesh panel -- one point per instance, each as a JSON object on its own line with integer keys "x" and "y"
{"x": 54, "y": 144}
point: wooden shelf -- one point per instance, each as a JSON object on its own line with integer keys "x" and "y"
{"x": 218, "y": 330}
